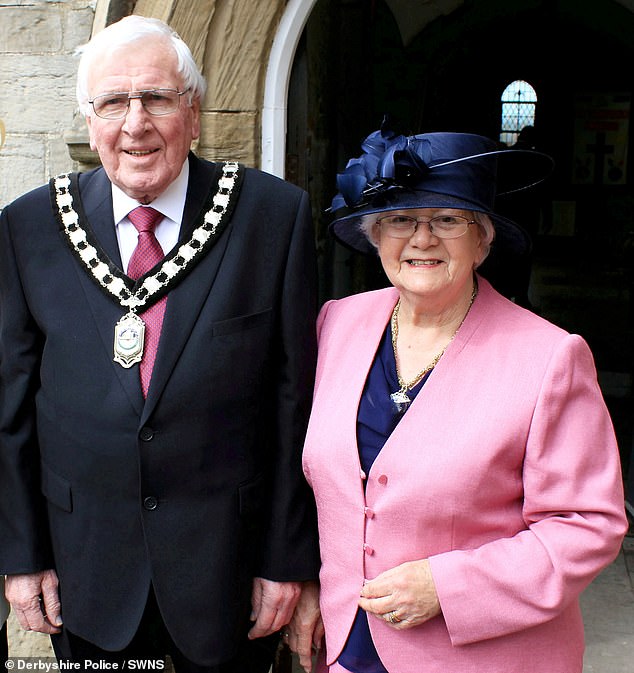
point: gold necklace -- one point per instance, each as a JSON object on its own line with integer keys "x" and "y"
{"x": 400, "y": 397}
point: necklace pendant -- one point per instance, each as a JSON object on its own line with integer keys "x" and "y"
{"x": 401, "y": 400}
{"x": 129, "y": 337}
{"x": 400, "y": 397}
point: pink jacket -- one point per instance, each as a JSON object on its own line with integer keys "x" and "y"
{"x": 504, "y": 473}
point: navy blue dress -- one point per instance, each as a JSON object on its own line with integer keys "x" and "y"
{"x": 376, "y": 420}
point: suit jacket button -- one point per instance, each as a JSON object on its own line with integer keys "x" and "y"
{"x": 382, "y": 479}
{"x": 368, "y": 550}
{"x": 369, "y": 513}
{"x": 146, "y": 434}
{"x": 150, "y": 503}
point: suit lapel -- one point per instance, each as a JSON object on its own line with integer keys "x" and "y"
{"x": 369, "y": 317}
{"x": 96, "y": 203}
{"x": 96, "y": 198}
{"x": 185, "y": 301}
{"x": 439, "y": 390}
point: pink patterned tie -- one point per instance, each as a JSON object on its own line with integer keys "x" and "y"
{"x": 146, "y": 255}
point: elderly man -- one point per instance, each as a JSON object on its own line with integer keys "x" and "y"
{"x": 156, "y": 354}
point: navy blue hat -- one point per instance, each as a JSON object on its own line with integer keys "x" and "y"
{"x": 433, "y": 170}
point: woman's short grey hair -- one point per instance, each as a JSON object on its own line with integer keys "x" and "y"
{"x": 367, "y": 226}
{"x": 488, "y": 233}
{"x": 124, "y": 32}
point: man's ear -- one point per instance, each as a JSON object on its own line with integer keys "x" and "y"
{"x": 93, "y": 147}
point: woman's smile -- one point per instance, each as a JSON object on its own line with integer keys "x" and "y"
{"x": 423, "y": 262}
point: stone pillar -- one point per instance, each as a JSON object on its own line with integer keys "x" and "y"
{"x": 236, "y": 56}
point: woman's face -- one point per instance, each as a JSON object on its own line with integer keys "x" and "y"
{"x": 425, "y": 266}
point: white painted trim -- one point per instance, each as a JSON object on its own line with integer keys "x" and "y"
{"x": 278, "y": 75}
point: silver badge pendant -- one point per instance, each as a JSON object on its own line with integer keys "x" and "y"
{"x": 129, "y": 335}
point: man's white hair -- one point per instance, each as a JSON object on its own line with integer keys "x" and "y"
{"x": 131, "y": 29}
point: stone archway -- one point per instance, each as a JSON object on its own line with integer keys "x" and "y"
{"x": 238, "y": 44}
{"x": 246, "y": 53}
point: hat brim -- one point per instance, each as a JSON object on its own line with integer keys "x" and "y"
{"x": 509, "y": 236}
{"x": 517, "y": 170}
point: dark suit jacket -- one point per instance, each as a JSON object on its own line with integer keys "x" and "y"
{"x": 199, "y": 488}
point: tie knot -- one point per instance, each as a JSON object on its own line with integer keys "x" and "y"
{"x": 145, "y": 218}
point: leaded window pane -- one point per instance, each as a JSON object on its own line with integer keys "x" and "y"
{"x": 518, "y": 110}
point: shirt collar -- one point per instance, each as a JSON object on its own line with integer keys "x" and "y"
{"x": 171, "y": 203}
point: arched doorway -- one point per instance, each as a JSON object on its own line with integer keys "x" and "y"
{"x": 355, "y": 62}
{"x": 276, "y": 86}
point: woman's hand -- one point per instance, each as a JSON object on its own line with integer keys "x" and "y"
{"x": 305, "y": 631}
{"x": 404, "y": 596}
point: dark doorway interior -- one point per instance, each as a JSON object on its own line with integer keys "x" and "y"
{"x": 353, "y": 66}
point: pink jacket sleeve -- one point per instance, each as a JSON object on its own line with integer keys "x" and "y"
{"x": 573, "y": 509}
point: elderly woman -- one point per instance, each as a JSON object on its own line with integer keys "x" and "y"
{"x": 462, "y": 459}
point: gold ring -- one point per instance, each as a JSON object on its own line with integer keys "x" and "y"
{"x": 393, "y": 617}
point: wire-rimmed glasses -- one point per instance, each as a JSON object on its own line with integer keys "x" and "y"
{"x": 442, "y": 226}
{"x": 157, "y": 102}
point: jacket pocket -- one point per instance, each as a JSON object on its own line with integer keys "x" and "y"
{"x": 241, "y": 323}
{"x": 56, "y": 489}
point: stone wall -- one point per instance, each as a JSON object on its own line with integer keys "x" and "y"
{"x": 37, "y": 88}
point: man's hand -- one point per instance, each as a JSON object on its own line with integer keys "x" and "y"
{"x": 35, "y": 602}
{"x": 272, "y": 605}
{"x": 305, "y": 631}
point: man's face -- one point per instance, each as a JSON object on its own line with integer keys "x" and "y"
{"x": 142, "y": 154}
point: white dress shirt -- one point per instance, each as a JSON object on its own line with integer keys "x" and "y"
{"x": 170, "y": 204}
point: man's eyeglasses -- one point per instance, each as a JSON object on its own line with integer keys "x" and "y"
{"x": 156, "y": 102}
{"x": 442, "y": 226}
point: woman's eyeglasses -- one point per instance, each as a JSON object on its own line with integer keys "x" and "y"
{"x": 442, "y": 226}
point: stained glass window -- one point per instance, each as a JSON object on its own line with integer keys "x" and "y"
{"x": 518, "y": 110}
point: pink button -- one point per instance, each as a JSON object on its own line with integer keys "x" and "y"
{"x": 382, "y": 479}
{"x": 369, "y": 513}
{"x": 368, "y": 550}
